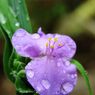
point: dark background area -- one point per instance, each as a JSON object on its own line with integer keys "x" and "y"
{"x": 72, "y": 17}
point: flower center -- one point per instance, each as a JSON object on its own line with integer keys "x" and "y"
{"x": 52, "y": 44}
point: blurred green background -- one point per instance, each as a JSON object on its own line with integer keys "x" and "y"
{"x": 72, "y": 17}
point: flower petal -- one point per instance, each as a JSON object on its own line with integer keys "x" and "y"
{"x": 50, "y": 76}
{"x": 28, "y": 45}
{"x": 64, "y": 47}
{"x": 40, "y": 32}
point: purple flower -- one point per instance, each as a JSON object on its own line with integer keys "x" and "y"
{"x": 50, "y": 71}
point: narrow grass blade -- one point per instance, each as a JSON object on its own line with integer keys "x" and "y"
{"x": 83, "y": 73}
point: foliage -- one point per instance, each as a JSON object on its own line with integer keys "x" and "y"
{"x": 10, "y": 20}
{"x": 83, "y": 73}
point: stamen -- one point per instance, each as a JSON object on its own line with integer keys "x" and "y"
{"x": 49, "y": 39}
{"x": 52, "y": 46}
{"x": 47, "y": 44}
{"x": 60, "y": 44}
{"x": 55, "y": 39}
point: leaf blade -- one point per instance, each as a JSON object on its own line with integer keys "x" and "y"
{"x": 22, "y": 85}
{"x": 6, "y": 55}
{"x": 21, "y": 13}
{"x": 84, "y": 74}
{"x": 7, "y": 18}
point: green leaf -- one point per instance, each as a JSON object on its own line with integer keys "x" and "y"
{"x": 22, "y": 86}
{"x": 7, "y": 18}
{"x": 6, "y": 55}
{"x": 0, "y": 32}
{"x": 17, "y": 65}
{"x": 13, "y": 72}
{"x": 83, "y": 73}
{"x": 21, "y": 13}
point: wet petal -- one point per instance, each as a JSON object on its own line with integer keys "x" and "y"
{"x": 28, "y": 45}
{"x": 64, "y": 47}
{"x": 49, "y": 78}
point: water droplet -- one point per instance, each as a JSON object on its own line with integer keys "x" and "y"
{"x": 8, "y": 32}
{"x": 2, "y": 19}
{"x": 27, "y": 18}
{"x": 67, "y": 63}
{"x": 66, "y": 88}
{"x": 46, "y": 84}
{"x": 19, "y": 1}
{"x": 58, "y": 64}
{"x": 39, "y": 87}
{"x": 30, "y": 73}
{"x": 35, "y": 36}
{"x": 72, "y": 76}
{"x": 64, "y": 59}
{"x": 17, "y": 24}
{"x": 75, "y": 75}
{"x": 21, "y": 33}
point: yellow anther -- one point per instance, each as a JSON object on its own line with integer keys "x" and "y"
{"x": 55, "y": 39}
{"x": 46, "y": 44}
{"x": 60, "y": 44}
{"x": 52, "y": 46}
{"x": 49, "y": 39}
